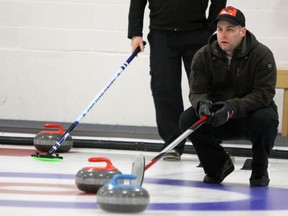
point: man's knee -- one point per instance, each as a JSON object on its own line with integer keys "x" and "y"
{"x": 265, "y": 119}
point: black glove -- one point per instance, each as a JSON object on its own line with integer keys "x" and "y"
{"x": 223, "y": 111}
{"x": 204, "y": 108}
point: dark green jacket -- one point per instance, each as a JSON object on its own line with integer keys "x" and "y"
{"x": 173, "y": 15}
{"x": 248, "y": 83}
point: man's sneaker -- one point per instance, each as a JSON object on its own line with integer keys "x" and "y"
{"x": 219, "y": 177}
{"x": 258, "y": 180}
{"x": 173, "y": 155}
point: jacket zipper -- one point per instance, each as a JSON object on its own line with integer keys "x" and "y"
{"x": 229, "y": 63}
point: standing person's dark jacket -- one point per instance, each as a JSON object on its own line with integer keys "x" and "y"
{"x": 173, "y": 15}
{"x": 250, "y": 76}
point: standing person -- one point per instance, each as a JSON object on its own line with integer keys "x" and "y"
{"x": 178, "y": 28}
{"x": 233, "y": 81}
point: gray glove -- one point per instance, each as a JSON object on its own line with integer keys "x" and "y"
{"x": 204, "y": 108}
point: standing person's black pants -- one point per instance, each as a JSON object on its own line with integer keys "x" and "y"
{"x": 167, "y": 51}
{"x": 260, "y": 128}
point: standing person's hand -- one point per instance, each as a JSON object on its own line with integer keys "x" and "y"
{"x": 137, "y": 41}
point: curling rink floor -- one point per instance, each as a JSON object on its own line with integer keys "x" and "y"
{"x": 33, "y": 187}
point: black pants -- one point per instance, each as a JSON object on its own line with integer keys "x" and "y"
{"x": 168, "y": 50}
{"x": 260, "y": 128}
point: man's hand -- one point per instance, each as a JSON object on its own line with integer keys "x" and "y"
{"x": 204, "y": 108}
{"x": 223, "y": 111}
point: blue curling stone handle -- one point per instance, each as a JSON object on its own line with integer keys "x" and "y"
{"x": 114, "y": 182}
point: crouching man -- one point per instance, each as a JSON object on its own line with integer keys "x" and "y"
{"x": 233, "y": 82}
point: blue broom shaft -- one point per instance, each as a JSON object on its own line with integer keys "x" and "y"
{"x": 93, "y": 102}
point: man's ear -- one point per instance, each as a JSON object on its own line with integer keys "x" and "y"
{"x": 243, "y": 31}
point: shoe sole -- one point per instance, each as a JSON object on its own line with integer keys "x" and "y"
{"x": 226, "y": 173}
{"x": 171, "y": 159}
{"x": 259, "y": 182}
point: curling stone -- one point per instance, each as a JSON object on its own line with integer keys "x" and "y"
{"x": 44, "y": 140}
{"x": 90, "y": 179}
{"x": 114, "y": 197}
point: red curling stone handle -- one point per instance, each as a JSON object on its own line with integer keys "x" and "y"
{"x": 54, "y": 125}
{"x": 109, "y": 165}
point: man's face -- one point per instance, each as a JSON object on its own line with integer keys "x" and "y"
{"x": 229, "y": 36}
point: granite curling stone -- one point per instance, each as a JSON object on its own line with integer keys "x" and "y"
{"x": 117, "y": 198}
{"x": 90, "y": 179}
{"x": 44, "y": 140}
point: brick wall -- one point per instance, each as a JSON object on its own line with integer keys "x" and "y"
{"x": 56, "y": 55}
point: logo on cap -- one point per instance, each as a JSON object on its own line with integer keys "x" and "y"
{"x": 232, "y": 15}
{"x": 228, "y": 11}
